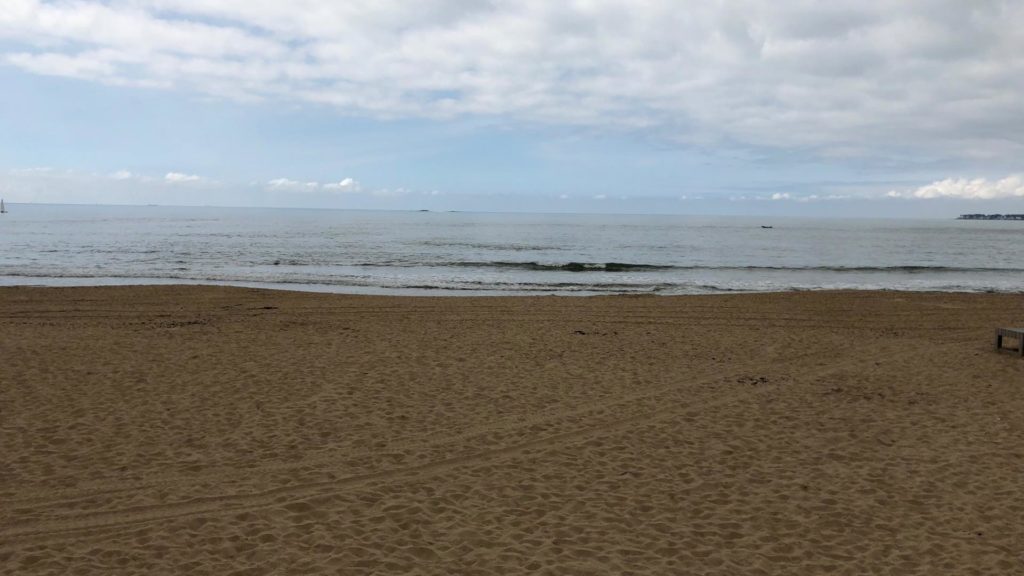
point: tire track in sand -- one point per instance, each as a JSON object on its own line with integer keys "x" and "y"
{"x": 99, "y": 523}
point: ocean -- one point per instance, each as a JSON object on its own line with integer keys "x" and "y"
{"x": 454, "y": 253}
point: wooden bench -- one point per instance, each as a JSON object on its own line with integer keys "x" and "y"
{"x": 1017, "y": 333}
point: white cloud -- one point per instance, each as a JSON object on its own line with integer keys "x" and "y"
{"x": 781, "y": 196}
{"x": 286, "y": 184}
{"x": 826, "y": 197}
{"x": 121, "y": 187}
{"x": 179, "y": 177}
{"x": 840, "y": 78}
{"x": 962, "y": 188}
{"x": 600, "y": 196}
{"x": 45, "y": 184}
{"x": 56, "y": 64}
{"x": 346, "y": 185}
{"x": 130, "y": 26}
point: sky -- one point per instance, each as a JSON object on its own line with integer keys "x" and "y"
{"x": 799, "y": 107}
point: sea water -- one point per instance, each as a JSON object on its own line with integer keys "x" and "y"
{"x": 393, "y": 252}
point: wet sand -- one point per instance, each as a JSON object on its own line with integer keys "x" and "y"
{"x": 213, "y": 430}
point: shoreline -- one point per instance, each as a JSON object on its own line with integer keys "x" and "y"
{"x": 171, "y": 429}
{"x": 444, "y": 292}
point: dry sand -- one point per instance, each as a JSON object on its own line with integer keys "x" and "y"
{"x": 213, "y": 430}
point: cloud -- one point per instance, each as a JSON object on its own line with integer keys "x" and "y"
{"x": 346, "y": 185}
{"x": 804, "y": 198}
{"x": 120, "y": 187}
{"x": 56, "y": 64}
{"x": 286, "y": 184}
{"x": 842, "y": 79}
{"x": 45, "y": 184}
{"x": 962, "y": 188}
{"x": 179, "y": 177}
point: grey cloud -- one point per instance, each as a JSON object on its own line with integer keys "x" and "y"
{"x": 843, "y": 79}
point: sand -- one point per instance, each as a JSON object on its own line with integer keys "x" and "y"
{"x": 214, "y": 430}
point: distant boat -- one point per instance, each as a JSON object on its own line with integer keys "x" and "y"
{"x": 3, "y": 210}
{"x": 767, "y": 227}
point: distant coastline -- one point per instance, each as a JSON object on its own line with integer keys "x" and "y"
{"x": 990, "y": 217}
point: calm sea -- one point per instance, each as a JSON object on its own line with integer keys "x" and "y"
{"x": 473, "y": 253}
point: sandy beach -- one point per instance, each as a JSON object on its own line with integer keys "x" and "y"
{"x": 216, "y": 430}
